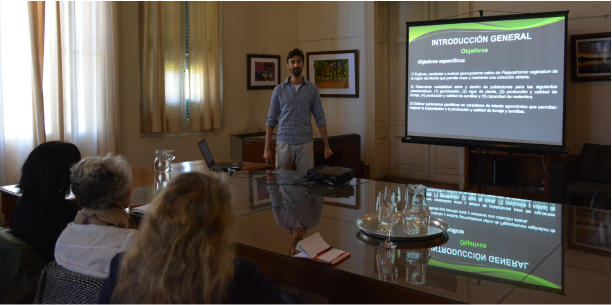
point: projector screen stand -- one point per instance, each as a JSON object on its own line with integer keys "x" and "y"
{"x": 478, "y": 181}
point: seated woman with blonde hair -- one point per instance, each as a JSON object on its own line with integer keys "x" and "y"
{"x": 102, "y": 228}
{"x": 185, "y": 253}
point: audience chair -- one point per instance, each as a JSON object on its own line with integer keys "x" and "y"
{"x": 601, "y": 200}
{"x": 20, "y": 267}
{"x": 60, "y": 286}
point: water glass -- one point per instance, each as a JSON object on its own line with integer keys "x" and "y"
{"x": 385, "y": 262}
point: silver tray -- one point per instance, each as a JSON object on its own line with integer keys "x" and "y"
{"x": 369, "y": 224}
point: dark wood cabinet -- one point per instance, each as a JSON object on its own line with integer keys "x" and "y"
{"x": 346, "y": 149}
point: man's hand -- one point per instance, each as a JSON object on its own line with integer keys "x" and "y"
{"x": 328, "y": 152}
{"x": 267, "y": 155}
{"x": 267, "y": 151}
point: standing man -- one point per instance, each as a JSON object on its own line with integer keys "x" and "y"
{"x": 293, "y": 101}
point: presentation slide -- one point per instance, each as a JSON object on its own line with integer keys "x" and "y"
{"x": 487, "y": 81}
{"x": 508, "y": 238}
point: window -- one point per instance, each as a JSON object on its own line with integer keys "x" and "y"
{"x": 180, "y": 67}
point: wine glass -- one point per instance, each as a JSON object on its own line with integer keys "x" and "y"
{"x": 170, "y": 155}
{"x": 387, "y": 217}
{"x": 396, "y": 192}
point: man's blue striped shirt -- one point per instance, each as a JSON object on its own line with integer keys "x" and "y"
{"x": 294, "y": 108}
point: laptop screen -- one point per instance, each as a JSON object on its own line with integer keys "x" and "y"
{"x": 206, "y": 153}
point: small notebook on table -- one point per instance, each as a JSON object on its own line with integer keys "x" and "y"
{"x": 316, "y": 249}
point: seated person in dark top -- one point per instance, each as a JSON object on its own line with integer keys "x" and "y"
{"x": 42, "y": 212}
{"x": 184, "y": 251}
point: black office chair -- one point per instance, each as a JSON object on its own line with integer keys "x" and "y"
{"x": 601, "y": 200}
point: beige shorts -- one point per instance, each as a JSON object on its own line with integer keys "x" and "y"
{"x": 301, "y": 154}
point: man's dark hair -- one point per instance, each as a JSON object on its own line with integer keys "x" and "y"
{"x": 295, "y": 52}
{"x": 46, "y": 171}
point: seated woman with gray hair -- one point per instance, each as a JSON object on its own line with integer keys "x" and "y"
{"x": 102, "y": 228}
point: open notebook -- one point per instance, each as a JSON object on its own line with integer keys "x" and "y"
{"x": 316, "y": 249}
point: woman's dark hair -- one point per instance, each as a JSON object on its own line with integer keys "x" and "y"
{"x": 46, "y": 171}
{"x": 295, "y": 52}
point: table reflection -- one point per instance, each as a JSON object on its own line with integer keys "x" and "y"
{"x": 295, "y": 218}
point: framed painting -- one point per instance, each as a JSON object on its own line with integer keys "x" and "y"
{"x": 336, "y": 73}
{"x": 590, "y": 57}
{"x": 587, "y": 233}
{"x": 263, "y": 71}
{"x": 259, "y": 195}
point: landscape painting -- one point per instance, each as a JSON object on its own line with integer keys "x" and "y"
{"x": 336, "y": 73}
{"x": 331, "y": 74}
{"x": 591, "y": 57}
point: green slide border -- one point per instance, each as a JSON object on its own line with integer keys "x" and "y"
{"x": 420, "y": 32}
{"x": 498, "y": 273}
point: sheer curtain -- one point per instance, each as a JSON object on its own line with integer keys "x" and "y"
{"x": 163, "y": 61}
{"x": 162, "y": 66}
{"x": 17, "y": 98}
{"x": 204, "y": 75}
{"x": 57, "y": 79}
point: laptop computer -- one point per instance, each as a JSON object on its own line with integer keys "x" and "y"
{"x": 211, "y": 161}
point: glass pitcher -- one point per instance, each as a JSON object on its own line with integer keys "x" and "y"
{"x": 161, "y": 164}
{"x": 416, "y": 265}
{"x": 416, "y": 212}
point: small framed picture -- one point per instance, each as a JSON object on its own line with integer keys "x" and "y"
{"x": 259, "y": 195}
{"x": 336, "y": 73}
{"x": 263, "y": 71}
{"x": 590, "y": 57}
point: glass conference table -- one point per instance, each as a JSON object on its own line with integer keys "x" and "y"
{"x": 496, "y": 250}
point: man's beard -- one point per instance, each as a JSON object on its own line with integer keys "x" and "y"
{"x": 296, "y": 72}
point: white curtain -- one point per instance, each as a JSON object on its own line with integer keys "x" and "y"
{"x": 57, "y": 80}
{"x": 17, "y": 111}
{"x": 162, "y": 66}
{"x": 204, "y": 73}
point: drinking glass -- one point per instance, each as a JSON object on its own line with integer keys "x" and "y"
{"x": 411, "y": 212}
{"x": 396, "y": 192}
{"x": 161, "y": 164}
{"x": 385, "y": 262}
{"x": 381, "y": 195}
{"x": 170, "y": 155}
{"x": 387, "y": 217}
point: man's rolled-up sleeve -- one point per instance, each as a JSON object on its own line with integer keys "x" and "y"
{"x": 317, "y": 109}
{"x": 274, "y": 108}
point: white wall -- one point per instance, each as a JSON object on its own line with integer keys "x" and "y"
{"x": 331, "y": 26}
{"x": 247, "y": 27}
{"x": 587, "y": 103}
